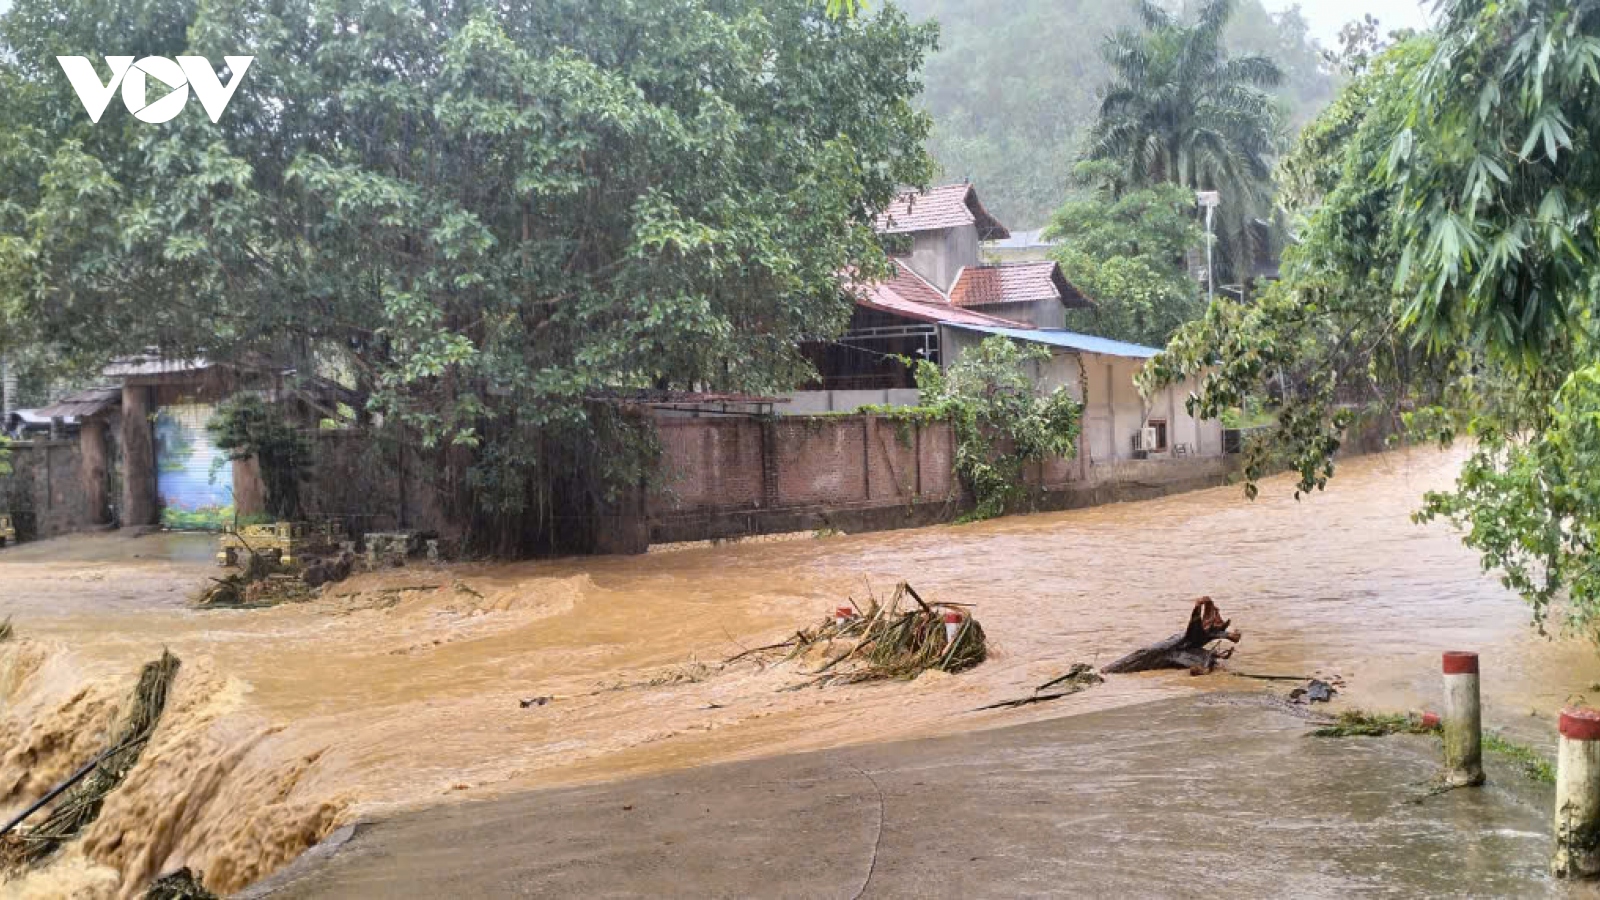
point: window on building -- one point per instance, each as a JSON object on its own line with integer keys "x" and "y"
{"x": 1160, "y": 426}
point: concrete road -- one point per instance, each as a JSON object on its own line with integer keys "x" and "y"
{"x": 1211, "y": 796}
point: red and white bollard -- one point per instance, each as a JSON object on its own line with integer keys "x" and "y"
{"x": 952, "y": 627}
{"x": 1463, "y": 719}
{"x": 843, "y": 615}
{"x": 1578, "y": 796}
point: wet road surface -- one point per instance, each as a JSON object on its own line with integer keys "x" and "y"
{"x": 1213, "y": 796}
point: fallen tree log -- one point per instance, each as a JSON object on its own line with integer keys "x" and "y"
{"x": 1187, "y": 650}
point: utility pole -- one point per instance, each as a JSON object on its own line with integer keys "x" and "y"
{"x": 1208, "y": 201}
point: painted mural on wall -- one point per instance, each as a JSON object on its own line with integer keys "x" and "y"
{"x": 194, "y": 483}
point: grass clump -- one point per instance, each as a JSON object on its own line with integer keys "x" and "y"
{"x": 7, "y": 632}
{"x": 1530, "y": 761}
{"x": 1361, "y": 723}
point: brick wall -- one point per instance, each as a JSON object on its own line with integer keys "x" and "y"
{"x": 722, "y": 464}
{"x": 45, "y": 489}
{"x": 363, "y": 480}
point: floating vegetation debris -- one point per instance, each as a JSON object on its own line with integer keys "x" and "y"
{"x": 180, "y": 885}
{"x": 6, "y": 631}
{"x": 882, "y": 641}
{"x": 1360, "y": 723}
{"x": 80, "y": 803}
{"x": 264, "y": 582}
{"x": 1080, "y": 677}
{"x": 692, "y": 672}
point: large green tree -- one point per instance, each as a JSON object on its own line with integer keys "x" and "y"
{"x": 1180, "y": 110}
{"x": 1128, "y": 252}
{"x": 491, "y": 213}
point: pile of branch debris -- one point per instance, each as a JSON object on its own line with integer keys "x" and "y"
{"x": 881, "y": 640}
{"x": 263, "y": 581}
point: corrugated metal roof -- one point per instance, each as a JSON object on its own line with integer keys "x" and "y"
{"x": 934, "y": 209}
{"x": 152, "y": 364}
{"x": 82, "y": 404}
{"x": 1071, "y": 340}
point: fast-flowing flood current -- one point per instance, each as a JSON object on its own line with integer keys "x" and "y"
{"x": 403, "y": 688}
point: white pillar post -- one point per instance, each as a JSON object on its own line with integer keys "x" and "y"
{"x": 1463, "y": 720}
{"x": 1578, "y": 796}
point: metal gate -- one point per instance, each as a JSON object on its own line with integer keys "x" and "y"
{"x": 194, "y": 480}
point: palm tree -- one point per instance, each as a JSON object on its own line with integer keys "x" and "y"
{"x": 1180, "y": 110}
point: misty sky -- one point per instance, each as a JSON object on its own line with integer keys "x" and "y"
{"x": 1326, "y": 17}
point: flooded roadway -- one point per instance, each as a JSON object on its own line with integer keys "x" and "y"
{"x": 401, "y": 689}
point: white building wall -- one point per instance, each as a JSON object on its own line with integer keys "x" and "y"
{"x": 1114, "y": 411}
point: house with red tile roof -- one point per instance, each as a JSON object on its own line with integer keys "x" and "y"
{"x": 942, "y": 298}
{"x": 939, "y": 281}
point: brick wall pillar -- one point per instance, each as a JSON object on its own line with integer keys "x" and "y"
{"x": 769, "y": 463}
{"x": 92, "y": 452}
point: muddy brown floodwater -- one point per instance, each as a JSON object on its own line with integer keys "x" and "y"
{"x": 401, "y": 689}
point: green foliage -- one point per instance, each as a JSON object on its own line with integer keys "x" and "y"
{"x": 1323, "y": 344}
{"x": 1531, "y": 503}
{"x": 491, "y": 214}
{"x": 1360, "y": 723}
{"x": 1498, "y": 177}
{"x": 1179, "y": 110}
{"x": 1531, "y": 762}
{"x": 5, "y": 457}
{"x": 1000, "y": 421}
{"x": 1013, "y": 88}
{"x": 246, "y": 427}
{"x": 1127, "y": 253}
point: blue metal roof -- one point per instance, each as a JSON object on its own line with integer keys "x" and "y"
{"x": 1071, "y": 340}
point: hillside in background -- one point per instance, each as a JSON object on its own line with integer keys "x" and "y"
{"x": 1012, "y": 88}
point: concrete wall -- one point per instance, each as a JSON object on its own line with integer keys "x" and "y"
{"x": 807, "y": 403}
{"x": 938, "y": 255}
{"x": 1038, "y": 313}
{"x": 372, "y": 484}
{"x": 731, "y": 477}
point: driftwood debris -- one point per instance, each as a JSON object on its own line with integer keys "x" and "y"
{"x": 1187, "y": 650}
{"x": 1081, "y": 676}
